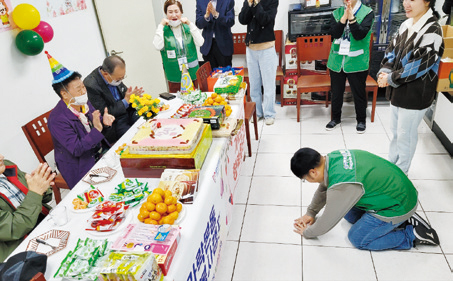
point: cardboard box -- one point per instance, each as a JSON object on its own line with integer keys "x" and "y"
{"x": 445, "y": 83}
{"x": 290, "y": 57}
{"x": 290, "y": 86}
{"x": 152, "y": 166}
{"x": 213, "y": 115}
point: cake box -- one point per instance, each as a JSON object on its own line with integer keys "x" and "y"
{"x": 153, "y": 165}
{"x": 213, "y": 115}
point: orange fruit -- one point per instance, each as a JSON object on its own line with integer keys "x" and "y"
{"x": 144, "y": 213}
{"x": 161, "y": 221}
{"x": 218, "y": 99}
{"x": 169, "y": 200}
{"x": 223, "y": 102}
{"x": 179, "y": 207}
{"x": 210, "y": 101}
{"x": 141, "y": 217}
{"x": 168, "y": 220}
{"x": 156, "y": 198}
{"x": 159, "y": 191}
{"x": 215, "y": 103}
{"x": 174, "y": 215}
{"x": 154, "y": 215}
{"x": 149, "y": 206}
{"x": 171, "y": 208}
{"x": 149, "y": 221}
{"x": 161, "y": 208}
{"x": 168, "y": 193}
{"x": 214, "y": 95}
{"x": 175, "y": 200}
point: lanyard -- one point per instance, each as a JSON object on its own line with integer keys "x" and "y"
{"x": 181, "y": 51}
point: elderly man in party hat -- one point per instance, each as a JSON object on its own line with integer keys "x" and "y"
{"x": 76, "y": 127}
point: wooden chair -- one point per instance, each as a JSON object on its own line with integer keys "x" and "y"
{"x": 38, "y": 135}
{"x": 38, "y": 277}
{"x": 318, "y": 48}
{"x": 202, "y": 76}
{"x": 240, "y": 49}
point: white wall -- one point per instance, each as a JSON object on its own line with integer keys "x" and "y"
{"x": 26, "y": 90}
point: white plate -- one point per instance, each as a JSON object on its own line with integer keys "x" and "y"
{"x": 125, "y": 222}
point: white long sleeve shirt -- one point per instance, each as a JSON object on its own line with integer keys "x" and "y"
{"x": 194, "y": 31}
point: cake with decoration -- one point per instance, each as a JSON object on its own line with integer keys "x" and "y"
{"x": 167, "y": 136}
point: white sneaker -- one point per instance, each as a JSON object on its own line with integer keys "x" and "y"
{"x": 269, "y": 121}
{"x": 258, "y": 119}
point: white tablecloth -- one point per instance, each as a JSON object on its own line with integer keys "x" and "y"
{"x": 206, "y": 222}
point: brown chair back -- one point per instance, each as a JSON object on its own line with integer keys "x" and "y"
{"x": 202, "y": 76}
{"x": 239, "y": 43}
{"x": 312, "y": 48}
{"x": 279, "y": 45}
{"x": 38, "y": 135}
{"x": 38, "y": 277}
{"x": 240, "y": 47}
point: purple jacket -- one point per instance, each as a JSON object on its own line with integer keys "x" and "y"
{"x": 74, "y": 148}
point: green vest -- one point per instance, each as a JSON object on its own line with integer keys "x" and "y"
{"x": 388, "y": 191}
{"x": 172, "y": 49}
{"x": 359, "y": 51}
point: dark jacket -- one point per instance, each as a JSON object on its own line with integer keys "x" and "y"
{"x": 260, "y": 21}
{"x": 75, "y": 149}
{"x": 16, "y": 223}
{"x": 220, "y": 26}
{"x": 412, "y": 66}
{"x": 100, "y": 97}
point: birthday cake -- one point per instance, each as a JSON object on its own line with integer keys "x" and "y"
{"x": 167, "y": 136}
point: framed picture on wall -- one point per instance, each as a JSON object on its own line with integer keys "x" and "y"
{"x": 5, "y": 15}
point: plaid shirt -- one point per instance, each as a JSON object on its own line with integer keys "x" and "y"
{"x": 14, "y": 194}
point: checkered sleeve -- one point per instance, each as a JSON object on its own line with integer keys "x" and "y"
{"x": 423, "y": 60}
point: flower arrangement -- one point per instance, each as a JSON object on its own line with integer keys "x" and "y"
{"x": 145, "y": 105}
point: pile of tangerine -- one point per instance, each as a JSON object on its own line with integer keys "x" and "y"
{"x": 161, "y": 207}
{"x": 216, "y": 99}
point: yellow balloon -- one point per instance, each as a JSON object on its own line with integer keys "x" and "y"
{"x": 26, "y": 16}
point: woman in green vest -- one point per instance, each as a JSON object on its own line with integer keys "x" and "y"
{"x": 177, "y": 40}
{"x": 349, "y": 58}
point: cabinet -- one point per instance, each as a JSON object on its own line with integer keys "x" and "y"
{"x": 442, "y": 121}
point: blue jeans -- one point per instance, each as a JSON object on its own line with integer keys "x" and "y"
{"x": 404, "y": 126}
{"x": 370, "y": 233}
{"x": 262, "y": 67}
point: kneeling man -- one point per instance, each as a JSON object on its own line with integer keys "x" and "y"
{"x": 369, "y": 192}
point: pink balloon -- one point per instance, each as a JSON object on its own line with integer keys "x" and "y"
{"x": 45, "y": 30}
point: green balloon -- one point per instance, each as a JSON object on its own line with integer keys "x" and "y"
{"x": 29, "y": 42}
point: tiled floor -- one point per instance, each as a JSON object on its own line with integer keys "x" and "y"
{"x": 261, "y": 244}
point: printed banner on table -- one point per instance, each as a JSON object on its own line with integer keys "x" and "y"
{"x": 5, "y": 14}
{"x": 57, "y": 8}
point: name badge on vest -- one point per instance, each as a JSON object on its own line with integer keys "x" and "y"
{"x": 171, "y": 54}
{"x": 182, "y": 61}
{"x": 344, "y": 47}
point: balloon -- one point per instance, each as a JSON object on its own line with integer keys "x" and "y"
{"x": 26, "y": 16}
{"x": 45, "y": 30}
{"x": 29, "y": 42}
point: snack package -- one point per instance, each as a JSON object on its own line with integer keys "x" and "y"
{"x": 82, "y": 263}
{"x": 131, "y": 192}
{"x": 131, "y": 267}
{"x": 213, "y": 115}
{"x": 107, "y": 217}
{"x": 184, "y": 191}
{"x": 88, "y": 199}
{"x": 183, "y": 111}
{"x": 228, "y": 84}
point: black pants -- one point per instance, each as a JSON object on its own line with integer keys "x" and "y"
{"x": 216, "y": 58}
{"x": 357, "y": 80}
